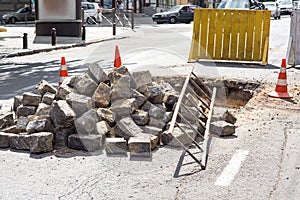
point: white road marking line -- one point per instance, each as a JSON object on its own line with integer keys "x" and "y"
{"x": 232, "y": 168}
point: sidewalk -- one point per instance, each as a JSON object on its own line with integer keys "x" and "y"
{"x": 11, "y": 42}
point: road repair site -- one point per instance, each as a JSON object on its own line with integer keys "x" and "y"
{"x": 184, "y": 130}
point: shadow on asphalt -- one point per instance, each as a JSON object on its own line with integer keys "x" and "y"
{"x": 18, "y": 78}
{"x": 238, "y": 65}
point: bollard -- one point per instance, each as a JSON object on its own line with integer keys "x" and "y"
{"x": 53, "y": 36}
{"x": 83, "y": 32}
{"x": 132, "y": 20}
{"x": 114, "y": 21}
{"x": 25, "y": 43}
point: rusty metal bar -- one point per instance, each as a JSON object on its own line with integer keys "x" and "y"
{"x": 199, "y": 89}
{"x": 207, "y": 137}
{"x": 200, "y": 82}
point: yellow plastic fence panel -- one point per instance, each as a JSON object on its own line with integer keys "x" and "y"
{"x": 234, "y": 35}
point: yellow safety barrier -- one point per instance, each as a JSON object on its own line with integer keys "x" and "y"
{"x": 234, "y": 35}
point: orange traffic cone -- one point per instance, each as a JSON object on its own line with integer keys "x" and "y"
{"x": 281, "y": 90}
{"x": 63, "y": 72}
{"x": 117, "y": 61}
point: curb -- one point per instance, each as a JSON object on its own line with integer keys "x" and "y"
{"x": 81, "y": 44}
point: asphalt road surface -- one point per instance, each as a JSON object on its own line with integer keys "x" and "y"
{"x": 260, "y": 162}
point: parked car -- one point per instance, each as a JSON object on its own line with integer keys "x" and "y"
{"x": 241, "y": 4}
{"x": 92, "y": 12}
{"x": 179, "y": 13}
{"x": 22, "y": 14}
{"x": 286, "y": 6}
{"x": 274, "y": 8}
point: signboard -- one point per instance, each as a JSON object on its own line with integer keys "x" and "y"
{"x": 57, "y": 9}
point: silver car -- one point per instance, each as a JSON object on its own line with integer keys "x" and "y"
{"x": 274, "y": 8}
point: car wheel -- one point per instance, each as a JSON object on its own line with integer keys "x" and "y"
{"x": 187, "y": 22}
{"x": 12, "y": 20}
{"x": 172, "y": 20}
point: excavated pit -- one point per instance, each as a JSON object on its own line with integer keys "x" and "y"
{"x": 230, "y": 93}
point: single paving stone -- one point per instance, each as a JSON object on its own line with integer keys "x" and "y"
{"x": 97, "y": 73}
{"x": 154, "y": 140}
{"x": 11, "y": 129}
{"x": 140, "y": 99}
{"x": 107, "y": 115}
{"x": 89, "y": 143}
{"x": 62, "y": 114}
{"x": 124, "y": 107}
{"x": 48, "y": 98}
{"x": 79, "y": 103}
{"x": 61, "y": 136}
{"x": 128, "y": 126}
{"x": 17, "y": 102}
{"x": 40, "y": 125}
{"x": 4, "y": 139}
{"x": 41, "y": 142}
{"x": 146, "y": 106}
{"x": 102, "y": 128}
{"x": 140, "y": 117}
{"x": 157, "y": 123}
{"x": 168, "y": 117}
{"x": 121, "y": 89}
{"x": 21, "y": 142}
{"x": 141, "y": 80}
{"x": 71, "y": 81}
{"x": 43, "y": 87}
{"x": 170, "y": 94}
{"x": 31, "y": 99}
{"x": 63, "y": 91}
{"x": 155, "y": 94}
{"x": 179, "y": 137}
{"x": 25, "y": 110}
{"x": 43, "y": 109}
{"x": 86, "y": 124}
{"x": 157, "y": 112}
{"x": 101, "y": 97}
{"x": 229, "y": 117}
{"x": 222, "y": 128}
{"x": 139, "y": 146}
{"x": 22, "y": 123}
{"x": 152, "y": 130}
{"x": 86, "y": 85}
{"x": 6, "y": 120}
{"x": 115, "y": 146}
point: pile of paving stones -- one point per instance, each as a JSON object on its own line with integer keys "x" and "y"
{"x": 118, "y": 111}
